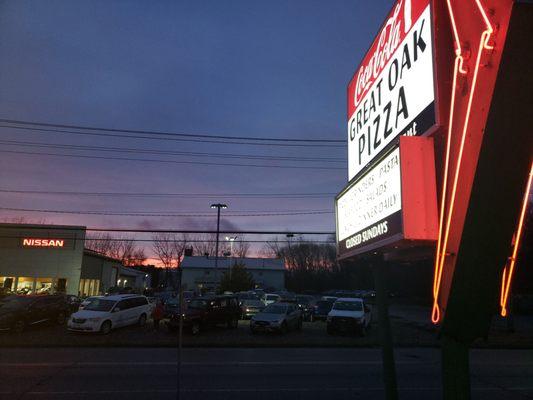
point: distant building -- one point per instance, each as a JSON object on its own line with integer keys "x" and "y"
{"x": 198, "y": 272}
{"x": 99, "y": 273}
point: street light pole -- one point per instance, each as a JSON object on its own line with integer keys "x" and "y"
{"x": 218, "y": 206}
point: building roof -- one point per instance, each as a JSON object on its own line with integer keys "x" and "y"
{"x": 92, "y": 253}
{"x": 273, "y": 264}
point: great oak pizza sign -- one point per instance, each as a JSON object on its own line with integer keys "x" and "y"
{"x": 392, "y": 92}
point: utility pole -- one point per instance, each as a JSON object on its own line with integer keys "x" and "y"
{"x": 180, "y": 332}
{"x": 218, "y": 206}
{"x": 387, "y": 351}
{"x": 231, "y": 239}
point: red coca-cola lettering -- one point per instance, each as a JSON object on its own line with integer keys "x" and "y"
{"x": 398, "y": 23}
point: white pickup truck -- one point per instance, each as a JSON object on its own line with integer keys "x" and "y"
{"x": 349, "y": 315}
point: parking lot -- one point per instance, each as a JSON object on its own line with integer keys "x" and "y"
{"x": 410, "y": 324}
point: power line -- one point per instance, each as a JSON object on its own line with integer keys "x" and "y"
{"x": 167, "y": 152}
{"x": 163, "y": 214}
{"x": 164, "y": 133}
{"x": 136, "y": 230}
{"x": 178, "y": 240}
{"x": 189, "y": 195}
{"x": 131, "y": 136}
{"x": 168, "y": 161}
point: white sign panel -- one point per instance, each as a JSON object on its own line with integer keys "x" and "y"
{"x": 363, "y": 209}
{"x": 398, "y": 100}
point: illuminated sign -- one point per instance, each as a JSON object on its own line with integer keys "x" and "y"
{"x": 392, "y": 93}
{"x": 369, "y": 210}
{"x": 31, "y": 242}
{"x": 392, "y": 201}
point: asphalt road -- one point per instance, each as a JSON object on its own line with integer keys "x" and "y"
{"x": 208, "y": 373}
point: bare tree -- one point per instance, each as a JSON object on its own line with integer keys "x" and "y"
{"x": 180, "y": 244}
{"x": 241, "y": 248}
{"x": 165, "y": 249}
{"x": 206, "y": 243}
{"x": 120, "y": 248}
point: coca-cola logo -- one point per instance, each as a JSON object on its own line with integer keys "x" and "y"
{"x": 389, "y": 38}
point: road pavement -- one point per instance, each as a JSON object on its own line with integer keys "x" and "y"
{"x": 240, "y": 373}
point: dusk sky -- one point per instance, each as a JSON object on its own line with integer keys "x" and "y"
{"x": 276, "y": 69}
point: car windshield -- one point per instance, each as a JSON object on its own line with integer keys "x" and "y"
{"x": 348, "y": 306}
{"x": 275, "y": 309}
{"x": 173, "y": 301}
{"x": 324, "y": 304}
{"x": 197, "y": 304}
{"x": 90, "y": 299}
{"x": 100, "y": 305}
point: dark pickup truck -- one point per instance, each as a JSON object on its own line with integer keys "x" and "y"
{"x": 205, "y": 312}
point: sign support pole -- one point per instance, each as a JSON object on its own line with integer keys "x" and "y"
{"x": 385, "y": 334}
{"x": 455, "y": 369}
{"x": 180, "y": 332}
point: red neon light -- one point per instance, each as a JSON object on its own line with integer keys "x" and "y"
{"x": 509, "y": 271}
{"x": 43, "y": 242}
{"x": 442, "y": 242}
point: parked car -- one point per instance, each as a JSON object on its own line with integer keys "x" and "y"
{"x": 88, "y": 300}
{"x": 321, "y": 310}
{"x": 205, "y": 312}
{"x": 272, "y": 298}
{"x": 171, "y": 305}
{"x": 106, "y": 313}
{"x": 250, "y": 307}
{"x": 277, "y": 317}
{"x": 349, "y": 315}
{"x": 19, "y": 312}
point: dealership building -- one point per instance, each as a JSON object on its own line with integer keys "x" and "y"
{"x": 199, "y": 272}
{"x": 52, "y": 258}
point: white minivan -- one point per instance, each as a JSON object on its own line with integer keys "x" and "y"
{"x": 109, "y": 312}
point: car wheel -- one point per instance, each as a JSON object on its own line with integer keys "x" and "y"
{"x": 142, "y": 320}
{"x": 105, "y": 328}
{"x": 60, "y": 319}
{"x": 195, "y": 328}
{"x": 233, "y": 323}
{"x": 19, "y": 326}
{"x": 362, "y": 331}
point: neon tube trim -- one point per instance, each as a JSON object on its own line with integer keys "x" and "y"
{"x": 508, "y": 272}
{"x": 442, "y": 244}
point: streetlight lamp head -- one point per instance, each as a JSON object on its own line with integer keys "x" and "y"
{"x": 219, "y": 205}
